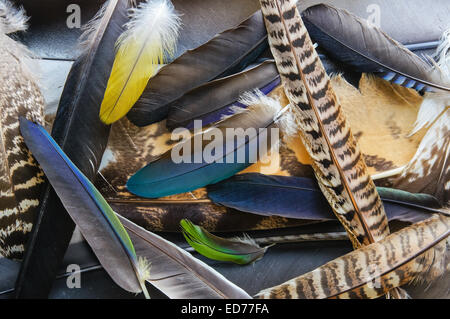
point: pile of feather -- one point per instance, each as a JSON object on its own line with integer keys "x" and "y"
{"x": 361, "y": 158}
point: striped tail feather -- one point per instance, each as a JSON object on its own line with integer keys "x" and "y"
{"x": 21, "y": 178}
{"x": 413, "y": 254}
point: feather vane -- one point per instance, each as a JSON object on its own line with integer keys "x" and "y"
{"x": 301, "y": 198}
{"x": 415, "y": 253}
{"x": 214, "y": 100}
{"x": 165, "y": 177}
{"x": 83, "y": 137}
{"x": 227, "y": 53}
{"x": 175, "y": 272}
{"x": 21, "y": 179}
{"x": 151, "y": 34}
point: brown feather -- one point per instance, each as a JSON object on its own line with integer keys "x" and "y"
{"x": 20, "y": 176}
{"x": 338, "y": 163}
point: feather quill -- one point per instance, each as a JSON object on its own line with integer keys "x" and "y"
{"x": 89, "y": 210}
{"x": 415, "y": 253}
{"x": 151, "y": 34}
{"x": 83, "y": 137}
{"x": 21, "y": 179}
{"x": 301, "y": 198}
{"x": 241, "y": 251}
{"x": 352, "y": 40}
{"x": 214, "y": 100}
{"x": 165, "y": 177}
{"x": 227, "y": 53}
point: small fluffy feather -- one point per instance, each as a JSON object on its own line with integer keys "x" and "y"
{"x": 11, "y": 18}
{"x": 150, "y": 35}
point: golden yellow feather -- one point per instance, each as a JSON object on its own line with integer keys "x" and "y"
{"x": 151, "y": 36}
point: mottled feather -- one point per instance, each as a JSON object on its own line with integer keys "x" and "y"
{"x": 20, "y": 176}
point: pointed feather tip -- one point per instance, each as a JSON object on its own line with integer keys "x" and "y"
{"x": 12, "y": 19}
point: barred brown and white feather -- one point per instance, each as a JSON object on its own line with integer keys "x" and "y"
{"x": 337, "y": 160}
{"x": 429, "y": 169}
{"x": 338, "y": 164}
{"x": 20, "y": 175}
{"x": 413, "y": 253}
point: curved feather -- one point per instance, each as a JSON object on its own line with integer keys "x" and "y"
{"x": 408, "y": 255}
{"x": 214, "y": 100}
{"x": 352, "y": 40}
{"x": 151, "y": 34}
{"x": 165, "y": 177}
{"x": 239, "y": 251}
{"x": 87, "y": 207}
{"x": 83, "y": 137}
{"x": 301, "y": 198}
{"x": 227, "y": 53}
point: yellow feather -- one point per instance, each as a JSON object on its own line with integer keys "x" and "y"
{"x": 151, "y": 36}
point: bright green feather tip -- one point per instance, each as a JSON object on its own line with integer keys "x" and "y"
{"x": 236, "y": 250}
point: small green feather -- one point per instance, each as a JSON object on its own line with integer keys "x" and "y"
{"x": 240, "y": 251}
